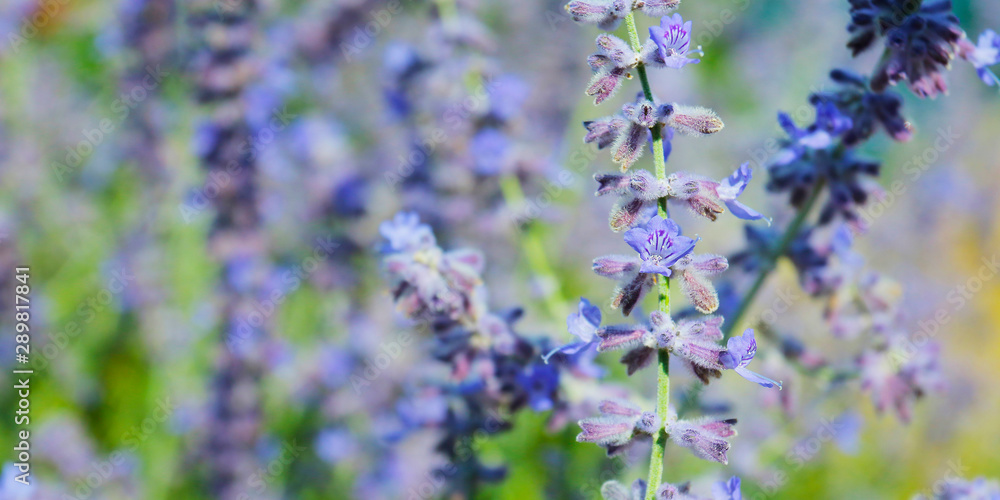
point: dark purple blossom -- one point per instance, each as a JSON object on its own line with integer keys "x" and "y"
{"x": 920, "y": 40}
{"x": 738, "y": 354}
{"x": 855, "y": 112}
{"x": 540, "y": 381}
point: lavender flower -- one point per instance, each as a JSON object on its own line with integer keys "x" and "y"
{"x": 669, "y": 43}
{"x": 489, "y": 147}
{"x": 660, "y": 244}
{"x": 732, "y": 187}
{"x": 855, "y": 112}
{"x": 613, "y": 490}
{"x": 540, "y": 382}
{"x": 727, "y": 490}
{"x": 739, "y": 352}
{"x": 920, "y": 41}
{"x": 405, "y": 233}
{"x": 706, "y": 197}
{"x": 984, "y": 54}
{"x": 583, "y": 324}
{"x": 705, "y": 437}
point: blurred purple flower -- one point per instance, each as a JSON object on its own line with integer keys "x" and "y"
{"x": 727, "y": 490}
{"x": 984, "y": 54}
{"x": 489, "y": 148}
{"x": 583, "y": 324}
{"x": 405, "y": 233}
{"x": 540, "y": 381}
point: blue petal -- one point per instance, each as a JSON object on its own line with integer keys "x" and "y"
{"x": 742, "y": 211}
{"x": 755, "y": 377}
{"x": 651, "y": 268}
{"x": 569, "y": 349}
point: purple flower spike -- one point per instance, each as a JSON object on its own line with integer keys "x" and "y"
{"x": 727, "y": 490}
{"x": 673, "y": 41}
{"x": 739, "y": 352}
{"x": 659, "y": 244}
{"x": 583, "y": 324}
{"x": 732, "y": 187}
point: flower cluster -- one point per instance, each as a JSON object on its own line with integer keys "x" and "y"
{"x": 722, "y": 490}
{"x": 921, "y": 38}
{"x": 494, "y": 370}
{"x": 662, "y": 251}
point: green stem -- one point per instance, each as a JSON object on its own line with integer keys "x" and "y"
{"x": 787, "y": 238}
{"x": 663, "y": 358}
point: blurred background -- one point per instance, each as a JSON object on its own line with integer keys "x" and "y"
{"x": 197, "y": 189}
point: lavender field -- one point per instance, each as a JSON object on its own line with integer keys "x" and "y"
{"x": 508, "y": 249}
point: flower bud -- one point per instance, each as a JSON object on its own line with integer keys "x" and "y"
{"x": 694, "y": 120}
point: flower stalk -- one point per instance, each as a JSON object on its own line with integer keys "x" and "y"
{"x": 663, "y": 283}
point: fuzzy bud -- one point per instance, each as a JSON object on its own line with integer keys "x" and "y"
{"x": 606, "y": 14}
{"x": 707, "y": 330}
{"x": 705, "y": 438}
{"x": 700, "y": 291}
{"x": 622, "y": 337}
{"x": 627, "y": 213}
{"x": 612, "y": 183}
{"x": 656, "y": 8}
{"x": 618, "y": 407}
{"x": 694, "y": 120}
{"x": 642, "y": 113}
{"x": 604, "y": 131}
{"x": 616, "y": 266}
{"x": 628, "y": 146}
{"x": 628, "y": 295}
{"x": 637, "y": 359}
{"x": 605, "y": 83}
{"x": 616, "y": 50}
